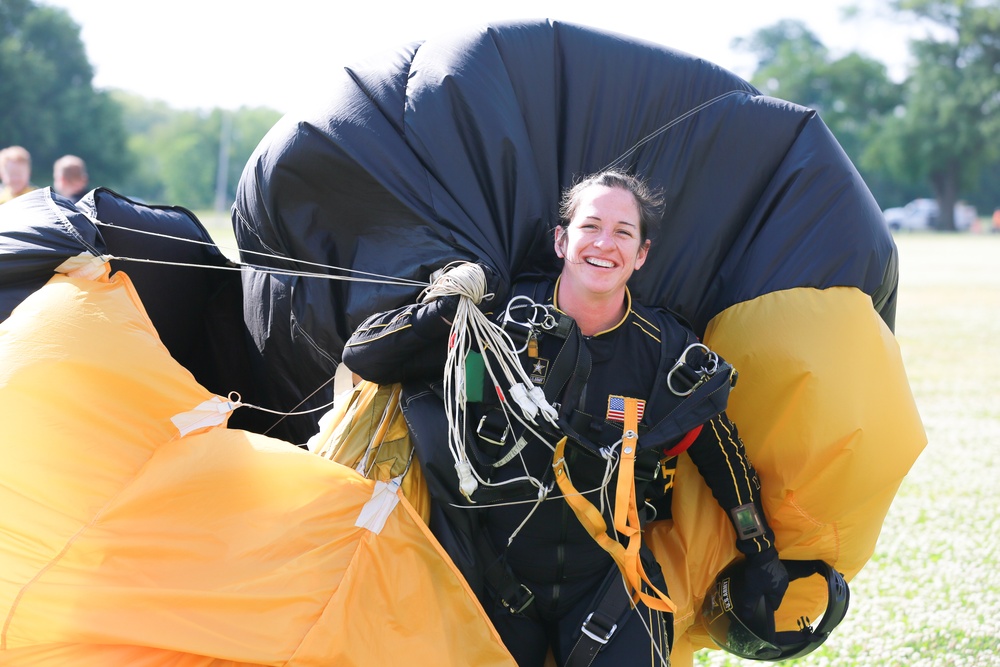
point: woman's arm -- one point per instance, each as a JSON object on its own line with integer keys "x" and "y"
{"x": 411, "y": 342}
{"x": 407, "y": 343}
{"x": 722, "y": 460}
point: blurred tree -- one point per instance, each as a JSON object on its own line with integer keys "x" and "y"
{"x": 948, "y": 128}
{"x": 178, "y": 152}
{"x": 141, "y": 148}
{"x": 249, "y": 127}
{"x": 851, "y": 93}
{"x": 140, "y": 118}
{"x": 49, "y": 105}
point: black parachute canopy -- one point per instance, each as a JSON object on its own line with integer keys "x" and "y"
{"x": 459, "y": 148}
{"x": 178, "y": 273}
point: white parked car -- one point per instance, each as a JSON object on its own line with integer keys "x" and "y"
{"x": 924, "y": 214}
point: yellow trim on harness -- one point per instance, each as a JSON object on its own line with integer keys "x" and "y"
{"x": 626, "y": 514}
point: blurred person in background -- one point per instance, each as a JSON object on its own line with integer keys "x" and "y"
{"x": 15, "y": 172}
{"x": 69, "y": 177}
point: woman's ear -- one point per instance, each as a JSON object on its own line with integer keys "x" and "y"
{"x": 640, "y": 257}
{"x": 560, "y": 241}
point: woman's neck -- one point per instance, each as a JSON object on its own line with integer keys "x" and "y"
{"x": 593, "y": 313}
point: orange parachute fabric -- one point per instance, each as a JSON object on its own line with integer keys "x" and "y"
{"x": 825, "y": 409}
{"x": 126, "y": 542}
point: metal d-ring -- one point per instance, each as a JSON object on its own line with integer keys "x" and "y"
{"x": 704, "y": 372}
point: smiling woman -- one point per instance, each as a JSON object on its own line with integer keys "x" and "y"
{"x": 460, "y": 148}
{"x": 602, "y": 242}
{"x": 607, "y": 369}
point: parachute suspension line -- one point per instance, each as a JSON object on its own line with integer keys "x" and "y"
{"x": 472, "y": 330}
{"x": 610, "y": 455}
{"x": 658, "y": 640}
{"x": 388, "y": 280}
{"x": 383, "y": 280}
{"x": 234, "y": 397}
{"x": 237, "y": 400}
{"x": 684, "y": 116}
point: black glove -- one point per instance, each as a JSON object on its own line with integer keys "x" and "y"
{"x": 765, "y": 583}
{"x": 495, "y": 291}
{"x": 443, "y": 307}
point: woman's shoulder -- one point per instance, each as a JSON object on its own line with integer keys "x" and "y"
{"x": 665, "y": 318}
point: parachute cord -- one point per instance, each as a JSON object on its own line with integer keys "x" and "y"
{"x": 657, "y": 648}
{"x": 389, "y": 280}
{"x": 610, "y": 455}
{"x": 663, "y": 128}
{"x": 543, "y": 493}
{"x": 292, "y": 414}
{"x": 472, "y": 328}
{"x": 240, "y": 404}
{"x": 383, "y": 280}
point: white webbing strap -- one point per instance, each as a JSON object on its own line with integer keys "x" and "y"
{"x": 378, "y": 508}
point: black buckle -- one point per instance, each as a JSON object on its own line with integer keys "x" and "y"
{"x": 484, "y": 422}
{"x": 600, "y": 633}
{"x": 524, "y": 598}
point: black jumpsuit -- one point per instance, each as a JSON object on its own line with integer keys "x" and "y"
{"x": 552, "y": 555}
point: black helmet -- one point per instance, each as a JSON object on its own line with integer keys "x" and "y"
{"x": 718, "y": 614}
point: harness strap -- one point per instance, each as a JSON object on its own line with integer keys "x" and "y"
{"x": 601, "y": 623}
{"x": 510, "y": 591}
{"x": 627, "y": 558}
{"x": 619, "y": 596}
{"x": 571, "y": 367}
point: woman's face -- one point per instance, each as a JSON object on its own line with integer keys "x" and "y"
{"x": 602, "y": 244}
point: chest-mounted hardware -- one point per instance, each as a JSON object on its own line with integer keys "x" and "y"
{"x": 525, "y": 319}
{"x": 695, "y": 366}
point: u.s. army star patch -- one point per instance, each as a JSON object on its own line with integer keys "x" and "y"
{"x": 539, "y": 370}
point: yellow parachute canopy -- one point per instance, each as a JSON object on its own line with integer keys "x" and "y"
{"x": 832, "y": 428}
{"x": 139, "y": 530}
{"x": 126, "y": 542}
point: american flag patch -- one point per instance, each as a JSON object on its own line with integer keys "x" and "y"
{"x": 616, "y": 409}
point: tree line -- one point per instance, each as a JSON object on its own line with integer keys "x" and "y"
{"x": 936, "y": 133}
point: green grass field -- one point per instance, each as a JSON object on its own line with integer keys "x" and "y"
{"x": 928, "y": 596}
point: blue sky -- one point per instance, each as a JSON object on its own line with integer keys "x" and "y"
{"x": 208, "y": 53}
